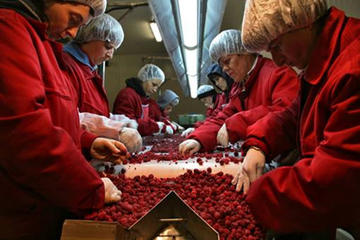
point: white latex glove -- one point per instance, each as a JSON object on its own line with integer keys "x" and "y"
{"x": 161, "y": 125}
{"x": 178, "y": 126}
{"x": 131, "y": 139}
{"x": 130, "y": 123}
{"x": 108, "y": 150}
{"x": 189, "y": 147}
{"x": 112, "y": 194}
{"x": 169, "y": 130}
{"x": 187, "y": 132}
{"x": 251, "y": 169}
{"x": 223, "y": 136}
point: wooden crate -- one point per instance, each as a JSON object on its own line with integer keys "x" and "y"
{"x": 93, "y": 230}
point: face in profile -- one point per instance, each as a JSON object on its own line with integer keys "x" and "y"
{"x": 292, "y": 48}
{"x": 64, "y": 19}
{"x": 168, "y": 109}
{"x": 207, "y": 101}
{"x": 236, "y": 65}
{"x": 220, "y": 82}
{"x": 101, "y": 51}
{"x": 151, "y": 86}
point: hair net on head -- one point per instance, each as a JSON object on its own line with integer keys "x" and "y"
{"x": 168, "y": 97}
{"x": 225, "y": 43}
{"x": 205, "y": 91}
{"x": 103, "y": 28}
{"x": 266, "y": 20}
{"x": 150, "y": 72}
{"x": 98, "y": 6}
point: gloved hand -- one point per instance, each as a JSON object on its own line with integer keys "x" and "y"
{"x": 223, "y": 136}
{"x": 251, "y": 169}
{"x": 178, "y": 126}
{"x": 131, "y": 138}
{"x": 161, "y": 126}
{"x": 112, "y": 194}
{"x": 108, "y": 150}
{"x": 130, "y": 123}
{"x": 189, "y": 147}
{"x": 187, "y": 132}
{"x": 169, "y": 130}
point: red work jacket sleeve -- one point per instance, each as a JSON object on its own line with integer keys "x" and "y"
{"x": 283, "y": 89}
{"x": 36, "y": 154}
{"x": 207, "y": 132}
{"x": 275, "y": 133}
{"x": 322, "y": 190}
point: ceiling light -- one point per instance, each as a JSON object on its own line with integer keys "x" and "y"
{"x": 155, "y": 31}
{"x": 193, "y": 83}
{"x": 191, "y": 61}
{"x": 189, "y": 18}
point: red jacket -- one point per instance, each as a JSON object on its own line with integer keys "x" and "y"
{"x": 89, "y": 86}
{"x": 42, "y": 170}
{"x": 321, "y": 191}
{"x": 220, "y": 103}
{"x": 155, "y": 111}
{"x": 268, "y": 88}
{"x": 132, "y": 104}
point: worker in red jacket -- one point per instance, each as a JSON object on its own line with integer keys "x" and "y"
{"x": 94, "y": 44}
{"x": 43, "y": 173}
{"x": 225, "y": 85}
{"x": 320, "y": 191}
{"x": 134, "y": 100}
{"x": 262, "y": 88}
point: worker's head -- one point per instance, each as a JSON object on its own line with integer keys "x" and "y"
{"x": 100, "y": 37}
{"x": 167, "y": 101}
{"x": 285, "y": 28}
{"x": 152, "y": 77}
{"x": 206, "y": 94}
{"x": 227, "y": 49}
{"x": 64, "y": 17}
{"x": 219, "y": 78}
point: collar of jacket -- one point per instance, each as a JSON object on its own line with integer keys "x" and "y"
{"x": 74, "y": 50}
{"x": 253, "y": 73}
{"x": 325, "y": 47}
{"x": 136, "y": 84}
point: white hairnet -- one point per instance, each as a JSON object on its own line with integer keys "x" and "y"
{"x": 98, "y": 6}
{"x": 103, "y": 28}
{"x": 168, "y": 97}
{"x": 150, "y": 72}
{"x": 266, "y": 20}
{"x": 225, "y": 43}
{"x": 205, "y": 90}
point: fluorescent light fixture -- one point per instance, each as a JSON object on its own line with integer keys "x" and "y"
{"x": 191, "y": 61}
{"x": 155, "y": 31}
{"x": 193, "y": 83}
{"x": 189, "y": 17}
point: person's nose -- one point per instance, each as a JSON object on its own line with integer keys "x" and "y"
{"x": 71, "y": 32}
{"x": 110, "y": 54}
